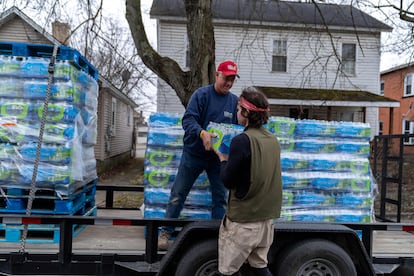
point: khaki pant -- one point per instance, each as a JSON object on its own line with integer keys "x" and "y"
{"x": 244, "y": 242}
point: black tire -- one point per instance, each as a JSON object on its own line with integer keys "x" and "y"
{"x": 315, "y": 257}
{"x": 199, "y": 260}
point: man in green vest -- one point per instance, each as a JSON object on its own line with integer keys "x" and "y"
{"x": 251, "y": 171}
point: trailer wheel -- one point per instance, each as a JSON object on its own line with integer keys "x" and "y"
{"x": 315, "y": 257}
{"x": 199, "y": 260}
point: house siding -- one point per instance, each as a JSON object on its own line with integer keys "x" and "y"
{"x": 173, "y": 46}
{"x": 251, "y": 48}
{"x": 17, "y": 30}
{"x": 120, "y": 140}
{"x": 100, "y": 140}
{"x": 254, "y": 59}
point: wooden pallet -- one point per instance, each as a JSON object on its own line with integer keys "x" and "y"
{"x": 39, "y": 233}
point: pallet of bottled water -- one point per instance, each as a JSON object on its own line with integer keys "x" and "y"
{"x": 326, "y": 173}
{"x": 66, "y": 160}
{"x": 162, "y": 158}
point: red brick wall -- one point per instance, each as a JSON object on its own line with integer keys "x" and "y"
{"x": 394, "y": 89}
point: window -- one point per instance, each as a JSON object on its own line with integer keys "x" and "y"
{"x": 279, "y": 56}
{"x": 408, "y": 128}
{"x": 382, "y": 88}
{"x": 186, "y": 52}
{"x": 348, "y": 59}
{"x": 128, "y": 115}
{"x": 346, "y": 116}
{"x": 299, "y": 113}
{"x": 408, "y": 84}
{"x": 380, "y": 128}
{"x": 113, "y": 116}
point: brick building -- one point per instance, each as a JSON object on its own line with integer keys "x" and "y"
{"x": 398, "y": 83}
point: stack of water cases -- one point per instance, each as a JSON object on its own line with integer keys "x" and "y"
{"x": 326, "y": 175}
{"x": 325, "y": 170}
{"x": 162, "y": 158}
{"x": 66, "y": 175}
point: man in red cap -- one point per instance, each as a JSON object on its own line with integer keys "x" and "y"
{"x": 211, "y": 103}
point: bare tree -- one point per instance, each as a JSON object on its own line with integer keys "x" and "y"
{"x": 399, "y": 14}
{"x": 117, "y": 60}
{"x": 125, "y": 70}
{"x": 102, "y": 40}
{"x": 200, "y": 34}
{"x": 406, "y": 10}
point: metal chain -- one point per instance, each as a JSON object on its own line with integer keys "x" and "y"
{"x": 51, "y": 71}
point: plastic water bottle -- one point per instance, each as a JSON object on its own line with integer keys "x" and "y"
{"x": 313, "y": 199}
{"x": 353, "y": 147}
{"x": 10, "y": 88}
{"x": 314, "y": 128}
{"x": 154, "y": 212}
{"x": 353, "y": 130}
{"x": 354, "y": 200}
{"x": 51, "y": 153}
{"x": 295, "y": 180}
{"x": 158, "y": 196}
{"x": 9, "y": 66}
{"x": 291, "y": 161}
{"x": 57, "y": 112}
{"x": 281, "y": 126}
{"x": 195, "y": 213}
{"x": 15, "y": 108}
{"x": 34, "y": 67}
{"x": 224, "y": 134}
{"x": 313, "y": 145}
{"x": 171, "y": 136}
{"x": 163, "y": 119}
{"x": 199, "y": 198}
{"x": 159, "y": 177}
{"x": 47, "y": 174}
{"x": 162, "y": 156}
{"x": 60, "y": 91}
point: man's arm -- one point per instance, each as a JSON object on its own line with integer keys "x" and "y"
{"x": 235, "y": 173}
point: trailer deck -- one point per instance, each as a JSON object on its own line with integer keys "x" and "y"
{"x": 124, "y": 239}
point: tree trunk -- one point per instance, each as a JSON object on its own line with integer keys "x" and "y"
{"x": 201, "y": 45}
{"x": 200, "y": 32}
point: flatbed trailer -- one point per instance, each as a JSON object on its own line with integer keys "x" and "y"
{"x": 121, "y": 242}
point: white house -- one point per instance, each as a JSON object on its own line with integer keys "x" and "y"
{"x": 318, "y": 61}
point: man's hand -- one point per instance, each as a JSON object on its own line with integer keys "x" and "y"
{"x": 221, "y": 156}
{"x": 206, "y": 137}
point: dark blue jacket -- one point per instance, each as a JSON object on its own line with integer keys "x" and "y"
{"x": 205, "y": 106}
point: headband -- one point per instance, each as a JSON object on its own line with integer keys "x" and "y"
{"x": 251, "y": 107}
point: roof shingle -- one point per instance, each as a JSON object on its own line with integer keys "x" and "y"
{"x": 309, "y": 14}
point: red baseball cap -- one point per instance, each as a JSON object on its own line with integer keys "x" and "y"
{"x": 228, "y": 68}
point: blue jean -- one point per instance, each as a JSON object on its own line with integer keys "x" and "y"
{"x": 188, "y": 171}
